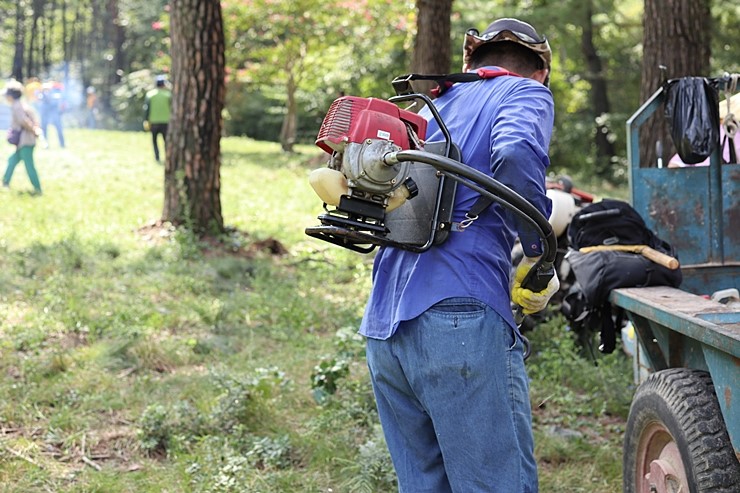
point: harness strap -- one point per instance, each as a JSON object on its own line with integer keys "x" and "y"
{"x": 445, "y": 81}
{"x": 402, "y": 85}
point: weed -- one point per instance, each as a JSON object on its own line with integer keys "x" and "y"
{"x": 326, "y": 376}
{"x": 155, "y": 431}
{"x": 372, "y": 469}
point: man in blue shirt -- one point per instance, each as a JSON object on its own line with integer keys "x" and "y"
{"x": 444, "y": 353}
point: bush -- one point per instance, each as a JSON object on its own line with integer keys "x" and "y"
{"x": 129, "y": 97}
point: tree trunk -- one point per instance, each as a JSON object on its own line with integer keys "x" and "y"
{"x": 192, "y": 183}
{"x": 32, "y": 68}
{"x": 432, "y": 46}
{"x": 47, "y": 36}
{"x": 20, "y": 32}
{"x": 113, "y": 39}
{"x": 290, "y": 122}
{"x": 677, "y": 35}
{"x": 599, "y": 95}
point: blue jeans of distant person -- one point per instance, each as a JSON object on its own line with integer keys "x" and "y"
{"x": 54, "y": 119}
{"x": 453, "y": 399}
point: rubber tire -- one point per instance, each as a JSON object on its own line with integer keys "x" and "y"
{"x": 685, "y": 403}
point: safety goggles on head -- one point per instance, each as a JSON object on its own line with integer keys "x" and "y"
{"x": 474, "y": 40}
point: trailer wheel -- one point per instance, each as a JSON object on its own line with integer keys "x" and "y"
{"x": 676, "y": 440}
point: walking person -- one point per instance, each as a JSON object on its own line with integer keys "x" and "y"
{"x": 444, "y": 353}
{"x": 157, "y": 106}
{"x": 91, "y": 105}
{"x": 22, "y": 134}
{"x": 53, "y": 106}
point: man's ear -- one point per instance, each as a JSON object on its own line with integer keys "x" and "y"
{"x": 540, "y": 75}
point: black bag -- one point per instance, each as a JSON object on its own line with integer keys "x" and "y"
{"x": 610, "y": 222}
{"x": 14, "y": 136}
{"x": 692, "y": 112}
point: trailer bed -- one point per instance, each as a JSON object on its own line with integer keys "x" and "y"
{"x": 678, "y": 329}
{"x": 697, "y": 317}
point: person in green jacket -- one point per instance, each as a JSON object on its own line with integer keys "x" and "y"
{"x": 157, "y": 107}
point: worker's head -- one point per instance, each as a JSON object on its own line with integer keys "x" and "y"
{"x": 13, "y": 90}
{"x": 161, "y": 80}
{"x": 511, "y": 44}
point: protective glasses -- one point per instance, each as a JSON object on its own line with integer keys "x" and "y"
{"x": 504, "y": 33}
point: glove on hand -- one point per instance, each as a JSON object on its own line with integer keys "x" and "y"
{"x": 146, "y": 126}
{"x": 530, "y": 301}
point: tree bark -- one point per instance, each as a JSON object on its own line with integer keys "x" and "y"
{"x": 677, "y": 35}
{"x": 192, "y": 184}
{"x": 432, "y": 46}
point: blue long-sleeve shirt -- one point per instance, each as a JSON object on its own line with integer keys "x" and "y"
{"x": 503, "y": 128}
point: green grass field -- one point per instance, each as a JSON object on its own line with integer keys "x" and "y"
{"x": 135, "y": 359}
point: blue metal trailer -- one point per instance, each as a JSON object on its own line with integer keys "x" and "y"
{"x": 683, "y": 431}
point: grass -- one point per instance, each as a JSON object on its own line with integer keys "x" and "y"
{"x": 134, "y": 359}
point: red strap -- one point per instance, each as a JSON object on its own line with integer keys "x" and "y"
{"x": 487, "y": 73}
{"x": 482, "y": 73}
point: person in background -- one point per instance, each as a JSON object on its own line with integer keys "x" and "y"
{"x": 52, "y": 107}
{"x": 33, "y": 93}
{"x": 157, "y": 107}
{"x": 23, "y": 120}
{"x": 91, "y": 104}
{"x": 443, "y": 349}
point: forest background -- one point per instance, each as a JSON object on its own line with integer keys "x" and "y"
{"x": 292, "y": 58}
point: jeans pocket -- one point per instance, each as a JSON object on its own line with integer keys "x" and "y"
{"x": 459, "y": 306}
{"x": 514, "y": 339}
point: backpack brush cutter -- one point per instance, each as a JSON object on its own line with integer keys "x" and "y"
{"x": 385, "y": 186}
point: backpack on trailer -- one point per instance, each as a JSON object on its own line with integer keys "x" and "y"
{"x": 609, "y": 222}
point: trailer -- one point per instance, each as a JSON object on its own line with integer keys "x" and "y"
{"x": 683, "y": 429}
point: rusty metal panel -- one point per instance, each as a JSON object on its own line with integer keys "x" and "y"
{"x": 731, "y": 212}
{"x": 707, "y": 279}
{"x": 675, "y": 204}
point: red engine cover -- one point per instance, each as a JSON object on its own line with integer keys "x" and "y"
{"x": 354, "y": 119}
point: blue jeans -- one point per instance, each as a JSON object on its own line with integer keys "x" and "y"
{"x": 453, "y": 399}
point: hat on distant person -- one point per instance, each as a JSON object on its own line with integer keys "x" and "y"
{"x": 14, "y": 89}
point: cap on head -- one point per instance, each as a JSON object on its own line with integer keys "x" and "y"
{"x": 13, "y": 89}
{"x": 161, "y": 79}
{"x": 508, "y": 29}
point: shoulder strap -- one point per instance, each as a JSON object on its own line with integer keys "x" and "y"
{"x": 402, "y": 84}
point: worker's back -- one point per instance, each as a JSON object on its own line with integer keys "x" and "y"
{"x": 159, "y": 101}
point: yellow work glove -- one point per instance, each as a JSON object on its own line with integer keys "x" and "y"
{"x": 146, "y": 126}
{"x": 530, "y": 301}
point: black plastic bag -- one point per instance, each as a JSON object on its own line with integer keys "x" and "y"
{"x": 692, "y": 111}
